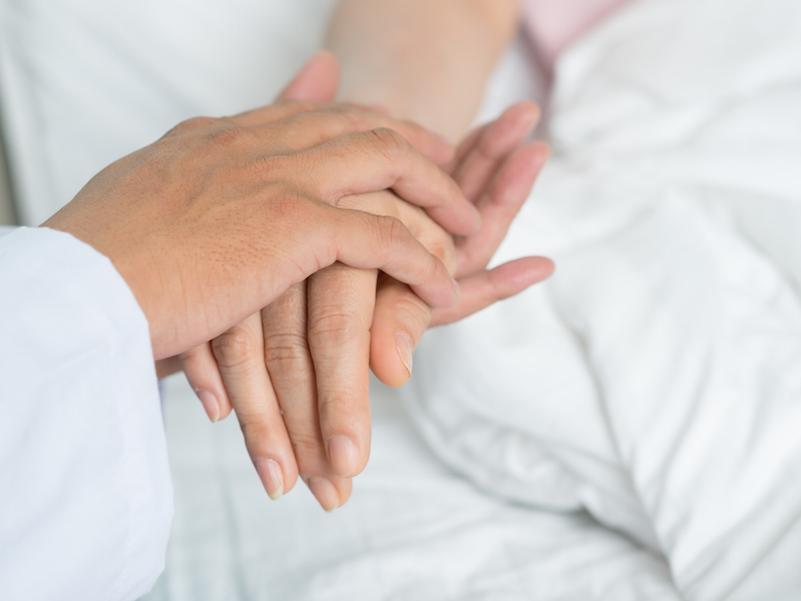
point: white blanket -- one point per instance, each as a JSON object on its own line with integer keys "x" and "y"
{"x": 656, "y": 381}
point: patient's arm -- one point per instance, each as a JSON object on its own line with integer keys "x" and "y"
{"x": 424, "y": 60}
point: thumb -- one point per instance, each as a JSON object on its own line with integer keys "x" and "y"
{"x": 317, "y": 80}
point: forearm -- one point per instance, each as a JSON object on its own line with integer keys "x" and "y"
{"x": 422, "y": 60}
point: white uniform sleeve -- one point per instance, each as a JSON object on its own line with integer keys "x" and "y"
{"x": 85, "y": 493}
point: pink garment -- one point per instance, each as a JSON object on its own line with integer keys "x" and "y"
{"x": 555, "y": 24}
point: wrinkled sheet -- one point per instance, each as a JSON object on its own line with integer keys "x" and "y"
{"x": 413, "y": 531}
{"x": 656, "y": 380}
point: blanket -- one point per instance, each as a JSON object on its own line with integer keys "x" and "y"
{"x": 655, "y": 382}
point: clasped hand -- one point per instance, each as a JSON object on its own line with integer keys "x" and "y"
{"x": 297, "y": 372}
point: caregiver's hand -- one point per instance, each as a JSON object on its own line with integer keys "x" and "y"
{"x": 219, "y": 217}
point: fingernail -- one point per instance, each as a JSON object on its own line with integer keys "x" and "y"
{"x": 325, "y": 492}
{"x": 405, "y": 348}
{"x": 343, "y": 454}
{"x": 210, "y": 404}
{"x": 271, "y": 477}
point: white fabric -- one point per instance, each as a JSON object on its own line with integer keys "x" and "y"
{"x": 412, "y": 531}
{"x": 655, "y": 381}
{"x": 85, "y": 494}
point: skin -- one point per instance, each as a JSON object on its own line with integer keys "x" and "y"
{"x": 422, "y": 60}
{"x": 312, "y": 351}
{"x": 220, "y": 217}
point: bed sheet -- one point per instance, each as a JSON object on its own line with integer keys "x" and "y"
{"x": 414, "y": 530}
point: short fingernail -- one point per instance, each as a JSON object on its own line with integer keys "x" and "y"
{"x": 210, "y": 403}
{"x": 271, "y": 477}
{"x": 343, "y": 454}
{"x": 325, "y": 492}
{"x": 405, "y": 348}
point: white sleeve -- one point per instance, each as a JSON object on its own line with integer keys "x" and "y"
{"x": 85, "y": 493}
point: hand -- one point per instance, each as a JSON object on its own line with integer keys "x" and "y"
{"x": 221, "y": 216}
{"x": 316, "y": 339}
{"x": 496, "y": 171}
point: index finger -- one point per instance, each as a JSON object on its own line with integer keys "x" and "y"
{"x": 369, "y": 241}
{"x": 380, "y": 159}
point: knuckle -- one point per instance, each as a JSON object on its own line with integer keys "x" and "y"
{"x": 286, "y": 349}
{"x": 288, "y": 205}
{"x": 257, "y": 432}
{"x": 308, "y": 446}
{"x": 393, "y": 232}
{"x": 438, "y": 248}
{"x": 409, "y": 309}
{"x": 349, "y": 201}
{"x": 352, "y": 119}
{"x": 388, "y": 142}
{"x": 441, "y": 245}
{"x": 229, "y": 135}
{"x": 334, "y": 327}
{"x": 271, "y": 165}
{"x": 310, "y": 462}
{"x": 234, "y": 348}
{"x": 190, "y": 125}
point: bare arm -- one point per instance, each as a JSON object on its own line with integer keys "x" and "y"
{"x": 423, "y": 60}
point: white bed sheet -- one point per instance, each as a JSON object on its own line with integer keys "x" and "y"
{"x": 414, "y": 530}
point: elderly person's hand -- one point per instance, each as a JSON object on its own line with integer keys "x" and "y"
{"x": 221, "y": 216}
{"x": 306, "y": 357}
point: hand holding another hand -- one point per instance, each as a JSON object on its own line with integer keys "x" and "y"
{"x": 297, "y": 374}
{"x": 220, "y": 217}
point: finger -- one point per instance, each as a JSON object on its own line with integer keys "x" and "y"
{"x": 331, "y": 493}
{"x": 204, "y": 377}
{"x": 488, "y": 287}
{"x": 289, "y": 363}
{"x": 481, "y": 153}
{"x": 368, "y": 241}
{"x": 240, "y": 357}
{"x": 355, "y": 238}
{"x": 399, "y": 321}
{"x": 435, "y": 239}
{"x": 400, "y": 318}
{"x": 382, "y": 158}
{"x": 506, "y": 195}
{"x": 340, "y": 311}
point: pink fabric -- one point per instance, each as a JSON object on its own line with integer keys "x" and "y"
{"x": 555, "y": 24}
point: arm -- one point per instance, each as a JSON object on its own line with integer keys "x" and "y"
{"x": 86, "y": 498}
{"x": 425, "y": 61}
